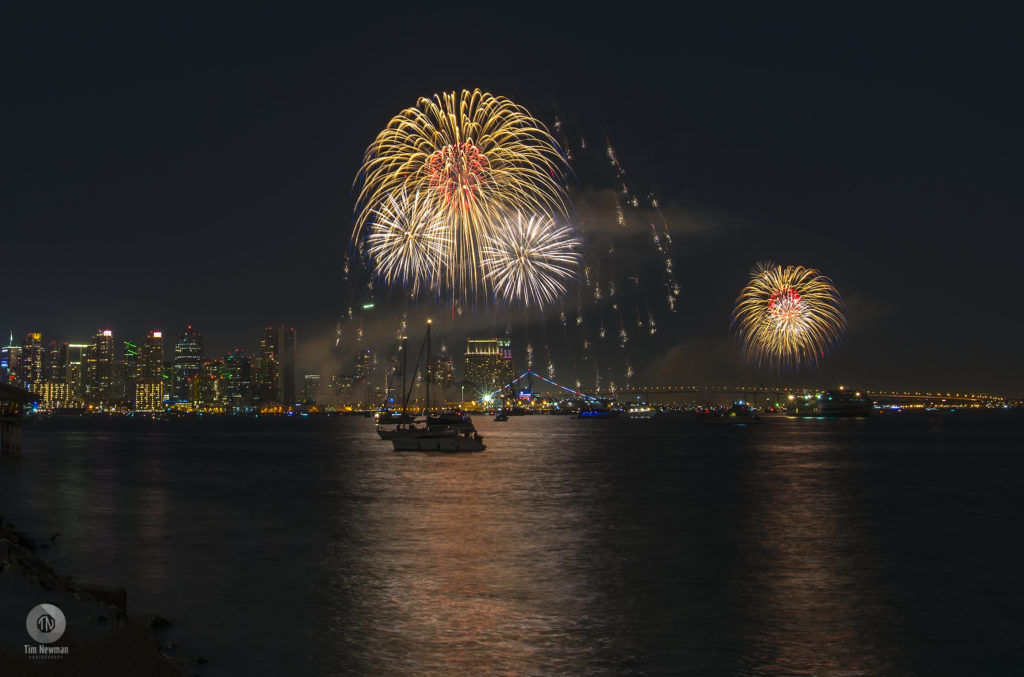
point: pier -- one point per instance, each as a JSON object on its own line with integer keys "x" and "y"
{"x": 12, "y": 401}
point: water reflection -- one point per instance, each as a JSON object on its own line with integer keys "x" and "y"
{"x": 813, "y": 608}
{"x": 462, "y": 565}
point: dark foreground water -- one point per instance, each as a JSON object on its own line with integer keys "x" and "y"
{"x": 892, "y": 545}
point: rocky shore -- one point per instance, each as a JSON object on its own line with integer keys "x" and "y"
{"x": 101, "y": 638}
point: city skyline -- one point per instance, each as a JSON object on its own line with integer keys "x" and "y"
{"x": 366, "y": 364}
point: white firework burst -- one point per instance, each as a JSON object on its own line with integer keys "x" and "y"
{"x": 530, "y": 259}
{"x": 407, "y": 241}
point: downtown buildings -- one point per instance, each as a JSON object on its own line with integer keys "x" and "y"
{"x": 111, "y": 372}
{"x": 108, "y": 374}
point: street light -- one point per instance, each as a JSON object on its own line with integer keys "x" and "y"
{"x": 462, "y": 404}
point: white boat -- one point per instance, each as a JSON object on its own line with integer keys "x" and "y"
{"x": 437, "y": 432}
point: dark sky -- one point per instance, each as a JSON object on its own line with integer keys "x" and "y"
{"x": 164, "y": 167}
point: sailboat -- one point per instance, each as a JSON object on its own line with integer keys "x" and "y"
{"x": 442, "y": 432}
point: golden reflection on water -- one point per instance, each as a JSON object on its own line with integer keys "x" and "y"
{"x": 461, "y": 584}
{"x": 811, "y": 604}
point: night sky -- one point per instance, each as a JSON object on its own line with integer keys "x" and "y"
{"x": 190, "y": 166}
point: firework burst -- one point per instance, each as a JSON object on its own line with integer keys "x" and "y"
{"x": 474, "y": 158}
{"x": 787, "y": 317}
{"x": 406, "y": 241}
{"x": 529, "y": 259}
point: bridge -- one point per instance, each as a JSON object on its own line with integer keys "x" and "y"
{"x": 651, "y": 393}
{"x": 529, "y": 375}
{"x": 754, "y": 393}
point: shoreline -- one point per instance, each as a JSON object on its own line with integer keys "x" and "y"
{"x": 101, "y": 638}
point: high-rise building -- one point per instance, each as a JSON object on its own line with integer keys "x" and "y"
{"x": 55, "y": 391}
{"x": 188, "y": 362}
{"x": 129, "y": 372}
{"x": 76, "y": 370}
{"x": 55, "y": 368}
{"x": 363, "y": 368}
{"x": 212, "y": 392}
{"x": 275, "y": 367}
{"x": 238, "y": 373}
{"x": 99, "y": 370}
{"x": 442, "y": 370}
{"x": 311, "y": 388}
{"x": 268, "y": 368}
{"x": 30, "y": 366}
{"x": 149, "y": 382}
{"x": 488, "y": 363}
{"x": 9, "y": 361}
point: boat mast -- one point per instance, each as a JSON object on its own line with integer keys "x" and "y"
{"x": 428, "y": 371}
{"x": 405, "y": 364}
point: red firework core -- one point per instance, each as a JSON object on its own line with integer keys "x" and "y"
{"x": 457, "y": 173}
{"x": 785, "y": 305}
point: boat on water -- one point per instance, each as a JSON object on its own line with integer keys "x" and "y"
{"x": 833, "y": 403}
{"x": 440, "y": 440}
{"x": 598, "y": 413}
{"x": 448, "y": 431}
{"x": 391, "y": 424}
{"x": 738, "y": 414}
{"x": 640, "y": 410}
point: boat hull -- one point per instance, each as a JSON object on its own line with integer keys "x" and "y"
{"x": 452, "y": 443}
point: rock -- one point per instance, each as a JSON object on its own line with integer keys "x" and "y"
{"x": 107, "y": 594}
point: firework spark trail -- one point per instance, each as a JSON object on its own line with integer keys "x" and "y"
{"x": 663, "y": 248}
{"x": 529, "y": 260}
{"x": 476, "y": 158}
{"x": 787, "y": 317}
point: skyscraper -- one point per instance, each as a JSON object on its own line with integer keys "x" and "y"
{"x": 78, "y": 357}
{"x": 275, "y": 368}
{"x": 488, "y": 363}
{"x": 99, "y": 369}
{"x": 55, "y": 391}
{"x": 268, "y": 369}
{"x": 9, "y": 361}
{"x": 363, "y": 368}
{"x": 129, "y": 372}
{"x": 30, "y": 366}
{"x": 55, "y": 369}
{"x": 442, "y": 370}
{"x": 311, "y": 388}
{"x": 188, "y": 363}
{"x": 238, "y": 368}
{"x": 149, "y": 384}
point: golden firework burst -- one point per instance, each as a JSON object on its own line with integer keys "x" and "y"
{"x": 472, "y": 158}
{"x": 788, "y": 317}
